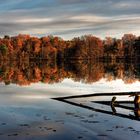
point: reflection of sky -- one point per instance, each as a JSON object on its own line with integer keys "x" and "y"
{"x": 68, "y": 87}
{"x": 29, "y": 105}
{"x": 70, "y": 18}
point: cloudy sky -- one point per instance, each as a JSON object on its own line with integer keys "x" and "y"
{"x": 70, "y": 18}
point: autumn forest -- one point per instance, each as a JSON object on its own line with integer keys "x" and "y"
{"x": 26, "y": 60}
{"x": 25, "y": 47}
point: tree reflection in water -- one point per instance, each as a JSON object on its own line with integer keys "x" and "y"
{"x": 86, "y": 71}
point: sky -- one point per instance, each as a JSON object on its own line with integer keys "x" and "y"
{"x": 70, "y": 18}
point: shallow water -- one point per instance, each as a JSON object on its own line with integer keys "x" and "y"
{"x": 69, "y": 109}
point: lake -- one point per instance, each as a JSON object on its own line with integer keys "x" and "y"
{"x": 83, "y": 100}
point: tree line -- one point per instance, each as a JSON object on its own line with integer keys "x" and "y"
{"x": 25, "y": 47}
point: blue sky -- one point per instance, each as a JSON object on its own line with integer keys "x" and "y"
{"x": 70, "y": 18}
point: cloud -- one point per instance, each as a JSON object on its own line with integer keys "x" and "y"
{"x": 127, "y": 5}
{"x": 73, "y": 1}
{"x": 70, "y": 18}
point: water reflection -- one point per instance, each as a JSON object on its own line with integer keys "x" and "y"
{"x": 79, "y": 114}
{"x": 50, "y": 72}
{"x": 137, "y": 105}
{"x": 120, "y": 104}
{"x": 121, "y": 108}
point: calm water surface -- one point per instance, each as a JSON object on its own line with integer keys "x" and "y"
{"x": 103, "y": 109}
